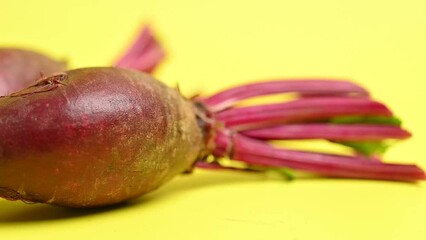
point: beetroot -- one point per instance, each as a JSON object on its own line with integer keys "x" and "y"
{"x": 144, "y": 55}
{"x": 12, "y": 61}
{"x": 98, "y": 136}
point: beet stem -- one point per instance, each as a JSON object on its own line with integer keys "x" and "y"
{"x": 336, "y": 132}
{"x": 218, "y": 166}
{"x": 262, "y": 154}
{"x": 144, "y": 54}
{"x": 227, "y": 98}
{"x": 302, "y": 110}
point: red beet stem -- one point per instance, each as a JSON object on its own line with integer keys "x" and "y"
{"x": 218, "y": 166}
{"x": 336, "y": 132}
{"x": 302, "y": 110}
{"x": 145, "y": 53}
{"x": 259, "y": 153}
{"x": 227, "y": 98}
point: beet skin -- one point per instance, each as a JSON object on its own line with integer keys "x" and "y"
{"x": 94, "y": 137}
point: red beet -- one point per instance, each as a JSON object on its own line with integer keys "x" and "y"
{"x": 20, "y": 68}
{"x": 94, "y": 137}
{"x": 12, "y": 63}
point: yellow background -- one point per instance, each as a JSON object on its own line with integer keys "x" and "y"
{"x": 214, "y": 44}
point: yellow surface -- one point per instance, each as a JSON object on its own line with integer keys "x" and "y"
{"x": 214, "y": 44}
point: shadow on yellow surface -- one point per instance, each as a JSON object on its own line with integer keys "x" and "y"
{"x": 22, "y": 212}
{"x": 15, "y": 212}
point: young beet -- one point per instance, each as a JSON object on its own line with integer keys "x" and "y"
{"x": 93, "y": 137}
{"x": 12, "y": 63}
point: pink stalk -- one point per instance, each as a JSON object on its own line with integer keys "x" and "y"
{"x": 259, "y": 153}
{"x": 145, "y": 53}
{"x": 336, "y": 132}
{"x": 374, "y": 157}
{"x": 302, "y": 110}
{"x": 217, "y": 166}
{"x": 228, "y": 98}
{"x": 320, "y": 100}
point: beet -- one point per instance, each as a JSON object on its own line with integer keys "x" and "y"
{"x": 20, "y": 68}
{"x": 12, "y": 63}
{"x": 97, "y": 137}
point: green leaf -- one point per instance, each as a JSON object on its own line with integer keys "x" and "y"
{"x": 367, "y": 148}
{"x": 287, "y": 173}
{"x": 367, "y": 119}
